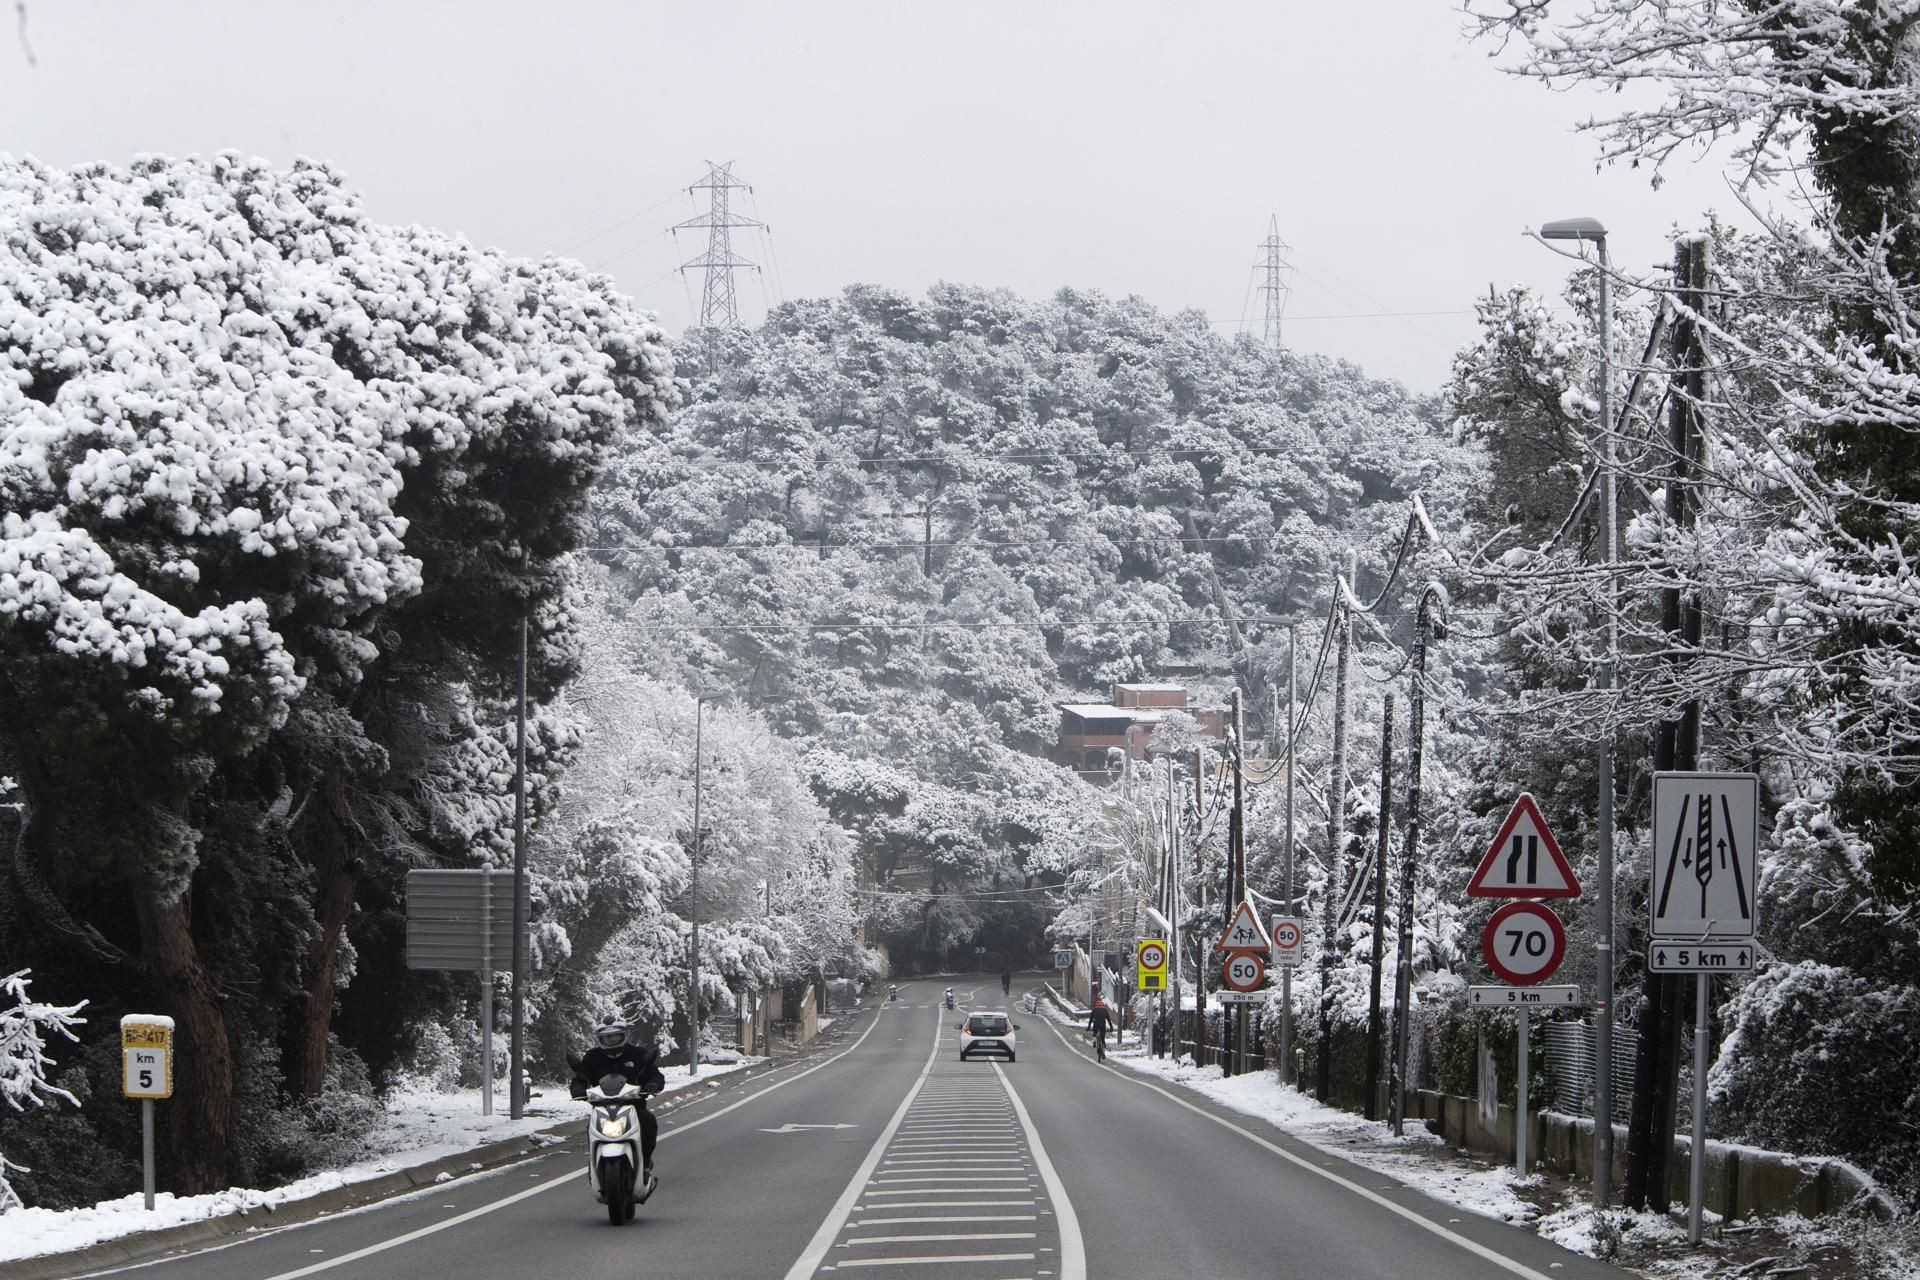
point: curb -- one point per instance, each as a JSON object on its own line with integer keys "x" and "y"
{"x": 147, "y": 1246}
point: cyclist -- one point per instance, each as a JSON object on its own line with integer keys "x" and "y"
{"x": 1006, "y": 982}
{"x": 1098, "y": 1019}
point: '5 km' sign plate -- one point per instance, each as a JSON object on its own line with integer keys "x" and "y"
{"x": 1523, "y": 943}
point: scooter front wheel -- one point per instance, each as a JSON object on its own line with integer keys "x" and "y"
{"x": 613, "y": 1181}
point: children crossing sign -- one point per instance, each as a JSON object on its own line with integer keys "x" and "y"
{"x": 1244, "y": 931}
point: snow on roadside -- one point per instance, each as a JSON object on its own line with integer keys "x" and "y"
{"x": 1371, "y": 1144}
{"x": 1654, "y": 1243}
{"x": 422, "y": 1124}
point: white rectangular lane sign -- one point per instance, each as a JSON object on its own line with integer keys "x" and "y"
{"x": 1706, "y": 837}
{"x": 1506, "y": 997}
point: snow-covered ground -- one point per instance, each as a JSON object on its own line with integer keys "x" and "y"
{"x": 422, "y": 1124}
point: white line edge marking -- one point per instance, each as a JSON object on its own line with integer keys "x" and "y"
{"x": 817, "y": 1248}
{"x": 1073, "y": 1250}
{"x": 1474, "y": 1247}
{"x": 564, "y": 1180}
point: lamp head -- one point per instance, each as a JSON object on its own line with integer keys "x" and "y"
{"x": 1574, "y": 229}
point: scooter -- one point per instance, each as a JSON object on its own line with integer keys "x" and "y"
{"x": 949, "y": 997}
{"x": 613, "y": 1147}
{"x": 893, "y": 992}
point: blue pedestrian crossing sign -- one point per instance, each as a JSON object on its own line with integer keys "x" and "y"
{"x": 1063, "y": 959}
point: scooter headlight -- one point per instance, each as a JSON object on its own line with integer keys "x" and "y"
{"x": 615, "y": 1126}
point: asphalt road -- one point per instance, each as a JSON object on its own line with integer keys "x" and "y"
{"x": 922, "y": 1166}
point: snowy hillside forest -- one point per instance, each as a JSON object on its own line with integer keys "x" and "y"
{"x": 278, "y": 485}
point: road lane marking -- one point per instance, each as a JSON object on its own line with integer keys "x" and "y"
{"x": 1073, "y": 1250}
{"x": 566, "y": 1179}
{"x": 950, "y": 1217}
{"x": 935, "y": 1261}
{"x": 815, "y": 1253}
{"x": 1474, "y": 1247}
{"x": 945, "y": 1237}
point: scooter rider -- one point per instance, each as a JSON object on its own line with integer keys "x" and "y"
{"x": 614, "y": 1054}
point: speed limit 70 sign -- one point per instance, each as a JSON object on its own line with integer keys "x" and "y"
{"x": 1523, "y": 943}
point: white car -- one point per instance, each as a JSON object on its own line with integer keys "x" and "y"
{"x": 987, "y": 1032}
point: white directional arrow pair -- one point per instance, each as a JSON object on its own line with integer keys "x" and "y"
{"x": 795, "y": 1128}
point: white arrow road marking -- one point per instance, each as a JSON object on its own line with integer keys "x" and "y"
{"x": 795, "y": 1128}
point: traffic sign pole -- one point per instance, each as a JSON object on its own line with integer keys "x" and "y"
{"x": 146, "y": 1149}
{"x": 1520, "y": 1097}
{"x": 1697, "y": 1174}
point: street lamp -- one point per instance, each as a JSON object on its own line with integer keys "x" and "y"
{"x": 1589, "y": 229}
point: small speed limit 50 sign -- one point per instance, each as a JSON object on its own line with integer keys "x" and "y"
{"x": 1523, "y": 943}
{"x": 1243, "y": 970}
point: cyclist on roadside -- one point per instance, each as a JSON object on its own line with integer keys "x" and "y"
{"x": 1098, "y": 1019}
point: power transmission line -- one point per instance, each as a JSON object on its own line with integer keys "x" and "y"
{"x": 1277, "y": 272}
{"x": 718, "y": 306}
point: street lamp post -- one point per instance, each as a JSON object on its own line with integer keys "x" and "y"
{"x": 1590, "y": 230}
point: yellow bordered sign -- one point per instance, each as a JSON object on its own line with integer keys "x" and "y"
{"x": 1150, "y": 962}
{"x": 146, "y": 1054}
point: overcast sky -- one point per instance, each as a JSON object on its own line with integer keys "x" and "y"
{"x": 1129, "y": 147}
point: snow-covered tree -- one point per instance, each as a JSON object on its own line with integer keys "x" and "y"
{"x": 25, "y": 1065}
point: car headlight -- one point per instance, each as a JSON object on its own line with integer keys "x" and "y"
{"x": 614, "y": 1127}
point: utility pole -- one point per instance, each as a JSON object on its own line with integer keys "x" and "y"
{"x": 693, "y": 962}
{"x": 1276, "y": 271}
{"x": 1676, "y": 746}
{"x": 1374, "y": 1028}
{"x": 1237, "y": 868}
{"x": 1286, "y": 875}
{"x": 1425, "y": 627}
{"x": 718, "y": 307}
{"x": 517, "y": 1044}
{"x": 1201, "y": 945}
{"x": 1176, "y": 901}
{"x": 1336, "y": 829}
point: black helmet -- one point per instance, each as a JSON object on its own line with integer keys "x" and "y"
{"x": 611, "y": 1034}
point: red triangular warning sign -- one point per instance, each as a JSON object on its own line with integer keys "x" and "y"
{"x": 1244, "y": 931}
{"x": 1524, "y": 861}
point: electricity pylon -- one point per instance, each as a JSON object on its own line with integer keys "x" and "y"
{"x": 1274, "y": 285}
{"x": 717, "y": 305}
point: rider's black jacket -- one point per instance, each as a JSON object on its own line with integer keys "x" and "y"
{"x": 639, "y": 1066}
{"x": 1097, "y": 1020}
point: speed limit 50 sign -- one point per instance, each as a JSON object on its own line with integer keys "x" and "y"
{"x": 1523, "y": 943}
{"x": 1243, "y": 970}
{"x": 1150, "y": 957}
{"x": 146, "y": 1053}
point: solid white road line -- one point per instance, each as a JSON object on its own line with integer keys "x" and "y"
{"x": 566, "y": 1179}
{"x": 1073, "y": 1250}
{"x": 1474, "y": 1247}
{"x": 816, "y": 1251}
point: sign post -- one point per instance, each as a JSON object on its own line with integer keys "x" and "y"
{"x": 462, "y": 920}
{"x": 1523, "y": 942}
{"x": 1701, "y": 896}
{"x": 146, "y": 1055}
